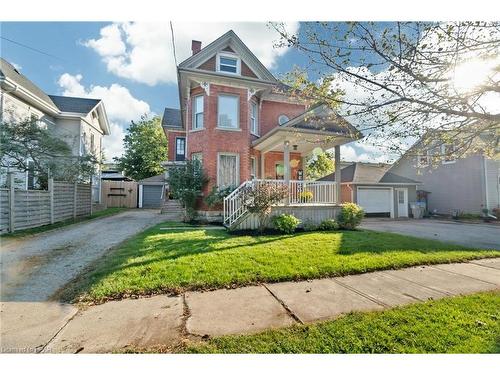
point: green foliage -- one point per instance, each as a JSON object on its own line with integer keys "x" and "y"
{"x": 145, "y": 147}
{"x": 328, "y": 224}
{"x": 216, "y": 196}
{"x": 175, "y": 260}
{"x": 29, "y": 140}
{"x": 186, "y": 184}
{"x": 350, "y": 216}
{"x": 286, "y": 223}
{"x": 261, "y": 197}
{"x": 309, "y": 226}
{"x": 320, "y": 165}
{"x": 306, "y": 196}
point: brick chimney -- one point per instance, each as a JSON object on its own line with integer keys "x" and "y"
{"x": 195, "y": 46}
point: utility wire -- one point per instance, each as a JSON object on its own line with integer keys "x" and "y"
{"x": 31, "y": 48}
{"x": 173, "y": 42}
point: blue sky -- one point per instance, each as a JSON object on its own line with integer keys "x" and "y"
{"x": 130, "y": 66}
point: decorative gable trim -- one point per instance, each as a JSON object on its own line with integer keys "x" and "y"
{"x": 232, "y": 41}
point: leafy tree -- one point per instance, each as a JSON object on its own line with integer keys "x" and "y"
{"x": 320, "y": 165}
{"x": 186, "y": 184}
{"x": 397, "y": 81}
{"x": 259, "y": 199}
{"x": 26, "y": 142}
{"x": 145, "y": 148}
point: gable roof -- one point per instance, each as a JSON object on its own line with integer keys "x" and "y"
{"x": 74, "y": 104}
{"x": 369, "y": 173}
{"x": 171, "y": 118}
{"x": 236, "y": 44}
{"x": 322, "y": 118}
{"x": 8, "y": 71}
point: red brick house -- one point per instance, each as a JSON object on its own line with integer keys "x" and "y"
{"x": 243, "y": 125}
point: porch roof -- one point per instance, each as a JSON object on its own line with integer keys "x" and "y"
{"x": 320, "y": 126}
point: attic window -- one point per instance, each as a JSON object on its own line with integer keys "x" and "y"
{"x": 228, "y": 63}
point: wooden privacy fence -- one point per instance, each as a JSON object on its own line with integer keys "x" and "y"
{"x": 23, "y": 209}
{"x": 119, "y": 194}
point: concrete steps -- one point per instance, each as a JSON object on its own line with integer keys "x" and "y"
{"x": 173, "y": 210}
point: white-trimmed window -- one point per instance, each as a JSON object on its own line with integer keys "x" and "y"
{"x": 198, "y": 112}
{"x": 228, "y": 112}
{"x": 180, "y": 148}
{"x": 228, "y": 63}
{"x": 447, "y": 150}
{"x": 92, "y": 143}
{"x": 253, "y": 167}
{"x": 254, "y": 118}
{"x": 424, "y": 160}
{"x": 228, "y": 170}
{"x": 197, "y": 156}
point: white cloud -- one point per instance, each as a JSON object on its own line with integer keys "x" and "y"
{"x": 121, "y": 108}
{"x": 17, "y": 66}
{"x": 365, "y": 153}
{"x": 142, "y": 51}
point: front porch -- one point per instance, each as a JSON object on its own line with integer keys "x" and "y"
{"x": 310, "y": 200}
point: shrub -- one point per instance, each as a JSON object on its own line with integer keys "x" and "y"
{"x": 186, "y": 183}
{"x": 216, "y": 196}
{"x": 350, "y": 216}
{"x": 259, "y": 199}
{"x": 328, "y": 224}
{"x": 286, "y": 223}
{"x": 308, "y": 225}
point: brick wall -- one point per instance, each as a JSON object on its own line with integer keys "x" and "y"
{"x": 270, "y": 111}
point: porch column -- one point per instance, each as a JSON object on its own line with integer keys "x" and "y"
{"x": 286, "y": 161}
{"x": 262, "y": 165}
{"x": 338, "y": 176}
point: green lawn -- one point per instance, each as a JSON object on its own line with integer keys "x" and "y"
{"x": 60, "y": 224}
{"x": 158, "y": 261}
{"x": 453, "y": 325}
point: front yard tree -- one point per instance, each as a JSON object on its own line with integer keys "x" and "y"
{"x": 27, "y": 144}
{"x": 145, "y": 149}
{"x": 186, "y": 183}
{"x": 399, "y": 80}
{"x": 260, "y": 198}
{"x": 320, "y": 165}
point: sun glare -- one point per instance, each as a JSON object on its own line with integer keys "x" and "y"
{"x": 472, "y": 73}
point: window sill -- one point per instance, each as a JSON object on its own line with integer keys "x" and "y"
{"x": 255, "y": 134}
{"x": 196, "y": 130}
{"x": 229, "y": 129}
{"x": 449, "y": 162}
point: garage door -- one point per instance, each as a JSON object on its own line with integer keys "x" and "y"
{"x": 151, "y": 196}
{"x": 374, "y": 200}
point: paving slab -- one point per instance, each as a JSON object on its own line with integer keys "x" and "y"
{"x": 320, "y": 299}
{"x": 26, "y": 327}
{"x": 243, "y": 310}
{"x": 475, "y": 271}
{"x": 442, "y": 281}
{"x": 116, "y": 325}
{"x": 390, "y": 290}
{"x": 493, "y": 263}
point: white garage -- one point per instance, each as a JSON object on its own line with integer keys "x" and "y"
{"x": 375, "y": 200}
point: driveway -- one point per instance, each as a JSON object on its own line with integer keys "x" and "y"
{"x": 35, "y": 267}
{"x": 484, "y": 236}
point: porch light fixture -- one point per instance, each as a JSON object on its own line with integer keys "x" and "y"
{"x": 295, "y": 147}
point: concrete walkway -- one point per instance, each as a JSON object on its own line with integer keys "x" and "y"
{"x": 168, "y": 320}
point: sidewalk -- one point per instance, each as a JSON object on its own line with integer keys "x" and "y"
{"x": 167, "y": 320}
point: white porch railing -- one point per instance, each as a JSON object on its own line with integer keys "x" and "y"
{"x": 299, "y": 193}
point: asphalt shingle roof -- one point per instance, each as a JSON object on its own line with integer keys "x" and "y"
{"x": 7, "y": 70}
{"x": 171, "y": 118}
{"x": 369, "y": 173}
{"x": 73, "y": 104}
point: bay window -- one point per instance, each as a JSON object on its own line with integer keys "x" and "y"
{"x": 228, "y": 112}
{"x": 228, "y": 170}
{"x": 198, "y": 112}
{"x": 254, "y": 118}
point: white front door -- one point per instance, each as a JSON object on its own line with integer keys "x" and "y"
{"x": 402, "y": 201}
